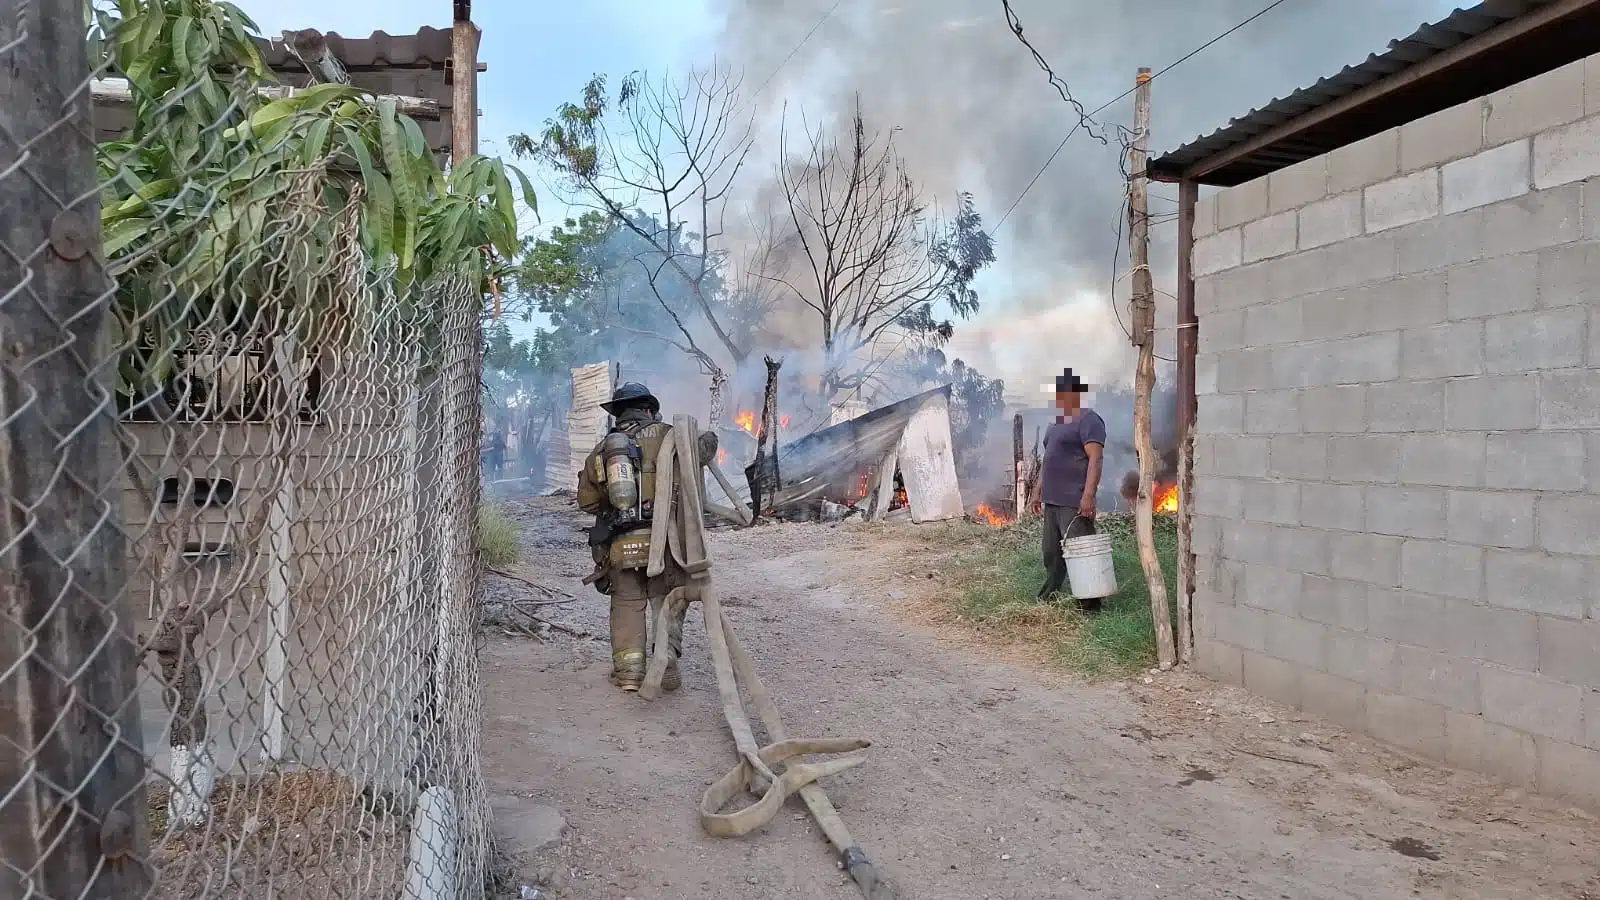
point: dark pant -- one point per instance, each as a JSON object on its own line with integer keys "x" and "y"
{"x": 1060, "y": 522}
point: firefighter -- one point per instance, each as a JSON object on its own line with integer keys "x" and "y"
{"x": 617, "y": 486}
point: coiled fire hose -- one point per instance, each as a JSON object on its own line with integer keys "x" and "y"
{"x": 780, "y": 769}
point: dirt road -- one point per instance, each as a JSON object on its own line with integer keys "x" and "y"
{"x": 987, "y": 779}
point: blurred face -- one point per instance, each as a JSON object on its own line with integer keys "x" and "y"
{"x": 1068, "y": 402}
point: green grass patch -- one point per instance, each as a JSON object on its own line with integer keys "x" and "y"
{"x": 499, "y": 539}
{"x": 1001, "y": 571}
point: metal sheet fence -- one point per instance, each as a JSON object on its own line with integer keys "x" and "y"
{"x": 239, "y": 469}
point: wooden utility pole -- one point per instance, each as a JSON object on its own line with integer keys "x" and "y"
{"x": 1021, "y": 493}
{"x": 1188, "y": 346}
{"x": 464, "y": 84}
{"x": 72, "y": 766}
{"x": 1144, "y": 337}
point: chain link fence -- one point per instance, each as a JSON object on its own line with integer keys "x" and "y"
{"x": 239, "y": 463}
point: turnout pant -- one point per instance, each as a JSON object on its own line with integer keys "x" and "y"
{"x": 1060, "y": 522}
{"x": 635, "y": 604}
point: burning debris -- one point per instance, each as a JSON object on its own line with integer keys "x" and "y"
{"x": 746, "y": 422}
{"x": 1163, "y": 494}
{"x": 893, "y": 459}
{"x": 988, "y": 516}
{"x": 1165, "y": 498}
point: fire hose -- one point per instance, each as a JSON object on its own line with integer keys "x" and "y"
{"x": 781, "y": 769}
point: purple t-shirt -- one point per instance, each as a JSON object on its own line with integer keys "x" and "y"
{"x": 1066, "y": 465}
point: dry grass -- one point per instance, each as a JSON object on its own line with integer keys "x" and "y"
{"x": 996, "y": 576}
{"x": 290, "y": 834}
{"x": 499, "y": 538}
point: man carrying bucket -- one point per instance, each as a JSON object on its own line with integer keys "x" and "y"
{"x": 1070, "y": 478}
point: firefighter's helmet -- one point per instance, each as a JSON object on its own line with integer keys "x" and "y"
{"x": 631, "y": 393}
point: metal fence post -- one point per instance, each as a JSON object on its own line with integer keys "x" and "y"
{"x": 73, "y": 818}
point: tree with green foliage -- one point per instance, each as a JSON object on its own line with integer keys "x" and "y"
{"x": 658, "y": 160}
{"x": 218, "y": 197}
{"x": 603, "y": 290}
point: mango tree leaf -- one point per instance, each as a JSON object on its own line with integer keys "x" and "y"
{"x": 415, "y": 142}
{"x": 124, "y": 234}
{"x": 505, "y": 204}
{"x": 314, "y": 147}
{"x": 528, "y": 195}
{"x": 405, "y": 192}
{"x": 181, "y": 32}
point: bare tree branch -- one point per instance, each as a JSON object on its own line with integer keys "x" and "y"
{"x": 869, "y": 258}
{"x": 673, "y": 151}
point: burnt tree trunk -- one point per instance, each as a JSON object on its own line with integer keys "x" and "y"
{"x": 719, "y": 405}
{"x": 769, "y": 415}
{"x": 1019, "y": 473}
{"x": 762, "y": 475}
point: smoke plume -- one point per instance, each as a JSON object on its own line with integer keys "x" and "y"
{"x": 977, "y": 114}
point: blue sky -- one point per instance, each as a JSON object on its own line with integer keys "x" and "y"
{"x": 539, "y": 53}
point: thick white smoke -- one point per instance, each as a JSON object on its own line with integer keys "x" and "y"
{"x": 977, "y": 114}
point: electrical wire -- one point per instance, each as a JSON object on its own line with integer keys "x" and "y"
{"x": 1116, "y": 257}
{"x": 1016, "y": 28}
{"x": 786, "y": 59}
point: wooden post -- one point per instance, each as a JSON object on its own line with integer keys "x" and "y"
{"x": 1020, "y": 494}
{"x": 763, "y": 474}
{"x": 280, "y": 618}
{"x": 1188, "y": 347}
{"x": 458, "y": 419}
{"x": 75, "y": 820}
{"x": 1145, "y": 376}
{"x": 280, "y": 571}
{"x": 719, "y": 409}
{"x": 464, "y": 88}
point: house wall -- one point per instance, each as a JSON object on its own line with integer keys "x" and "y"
{"x": 360, "y": 627}
{"x": 928, "y": 465}
{"x": 1397, "y": 491}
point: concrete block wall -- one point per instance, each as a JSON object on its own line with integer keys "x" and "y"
{"x": 1397, "y": 462}
{"x": 360, "y": 627}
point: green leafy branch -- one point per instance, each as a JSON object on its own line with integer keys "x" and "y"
{"x": 219, "y": 200}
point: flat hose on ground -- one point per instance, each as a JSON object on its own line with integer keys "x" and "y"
{"x": 781, "y": 769}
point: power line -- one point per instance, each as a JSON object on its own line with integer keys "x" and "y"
{"x": 1083, "y": 117}
{"x": 786, "y": 59}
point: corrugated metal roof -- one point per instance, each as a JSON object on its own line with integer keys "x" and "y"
{"x": 1565, "y": 43}
{"x": 411, "y": 65}
{"x": 836, "y": 456}
{"x": 429, "y": 48}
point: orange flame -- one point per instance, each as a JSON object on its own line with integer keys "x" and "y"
{"x": 989, "y": 516}
{"x": 746, "y": 421}
{"x": 783, "y": 421}
{"x": 722, "y": 456}
{"x": 1165, "y": 499}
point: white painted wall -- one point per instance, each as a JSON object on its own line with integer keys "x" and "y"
{"x": 928, "y": 464}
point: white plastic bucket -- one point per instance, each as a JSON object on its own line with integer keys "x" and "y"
{"x": 1089, "y": 570}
